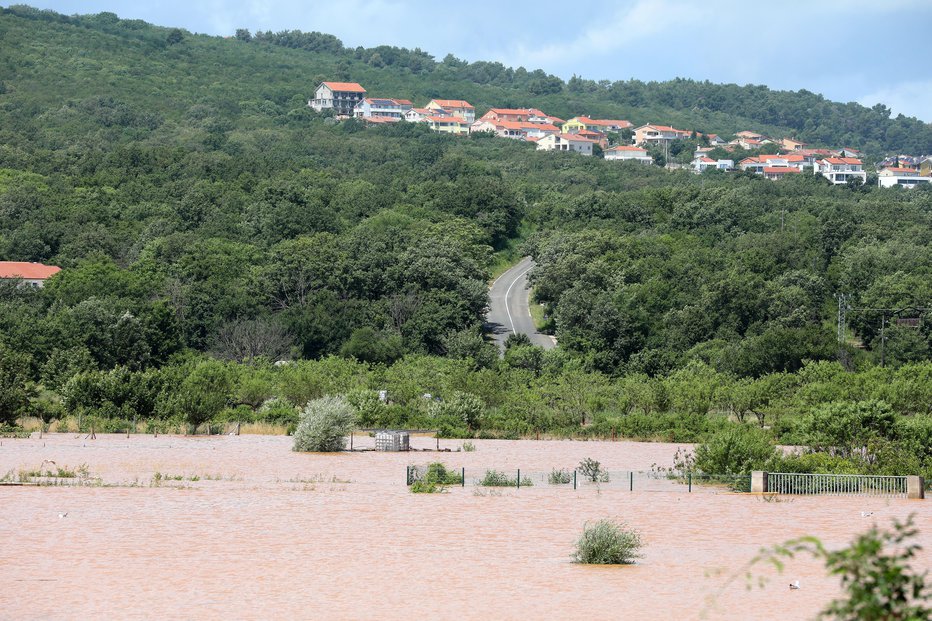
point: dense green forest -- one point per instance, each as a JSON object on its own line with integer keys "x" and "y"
{"x": 209, "y": 224}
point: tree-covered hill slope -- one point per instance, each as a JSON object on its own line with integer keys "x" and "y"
{"x": 51, "y": 59}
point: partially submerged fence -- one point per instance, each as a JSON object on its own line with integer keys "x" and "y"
{"x": 664, "y": 481}
{"x": 836, "y": 484}
{"x": 627, "y": 480}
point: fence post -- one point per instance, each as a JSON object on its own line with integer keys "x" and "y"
{"x": 689, "y": 477}
{"x": 407, "y": 475}
{"x": 519, "y": 478}
{"x": 463, "y": 481}
{"x": 758, "y": 482}
{"x": 631, "y": 479}
{"x": 574, "y": 479}
{"x": 915, "y": 488}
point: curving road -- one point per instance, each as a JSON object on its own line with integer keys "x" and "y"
{"x": 509, "y": 307}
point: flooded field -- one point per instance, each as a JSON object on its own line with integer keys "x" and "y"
{"x": 243, "y": 528}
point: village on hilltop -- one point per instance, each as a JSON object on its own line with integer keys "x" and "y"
{"x": 619, "y": 140}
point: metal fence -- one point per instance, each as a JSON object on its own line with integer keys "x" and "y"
{"x": 836, "y": 484}
{"x": 566, "y": 479}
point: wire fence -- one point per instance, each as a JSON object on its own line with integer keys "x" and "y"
{"x": 627, "y": 480}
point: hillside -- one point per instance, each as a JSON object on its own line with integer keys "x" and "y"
{"x": 45, "y": 51}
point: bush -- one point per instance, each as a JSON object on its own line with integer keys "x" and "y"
{"x": 592, "y": 470}
{"x": 324, "y": 425}
{"x": 494, "y": 478}
{"x": 560, "y": 476}
{"x": 739, "y": 449}
{"x": 435, "y": 479}
{"x": 608, "y": 543}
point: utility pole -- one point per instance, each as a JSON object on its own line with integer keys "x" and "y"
{"x": 842, "y": 311}
{"x": 883, "y": 338}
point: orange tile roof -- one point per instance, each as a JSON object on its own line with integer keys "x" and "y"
{"x": 28, "y": 271}
{"x": 843, "y": 160}
{"x": 627, "y": 148}
{"x": 780, "y": 170}
{"x": 900, "y": 170}
{"x": 452, "y": 103}
{"x": 351, "y": 87}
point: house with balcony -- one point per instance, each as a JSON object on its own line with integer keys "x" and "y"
{"x": 628, "y": 153}
{"x": 703, "y": 163}
{"x": 901, "y": 176}
{"x": 583, "y": 123}
{"x": 658, "y": 134}
{"x": 416, "y": 115}
{"x": 925, "y": 166}
{"x": 516, "y": 115}
{"x": 341, "y": 97}
{"x": 454, "y": 107}
{"x": 447, "y": 124}
{"x": 839, "y": 170}
{"x": 779, "y": 172}
{"x": 789, "y": 144}
{"x": 34, "y": 274}
{"x": 373, "y": 106}
{"x": 516, "y": 130}
{"x": 571, "y": 143}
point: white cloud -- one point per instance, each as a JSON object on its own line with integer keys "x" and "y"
{"x": 912, "y": 98}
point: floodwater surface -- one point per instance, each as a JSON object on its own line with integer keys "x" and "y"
{"x": 243, "y": 528}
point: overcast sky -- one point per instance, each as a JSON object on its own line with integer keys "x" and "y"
{"x": 868, "y": 51}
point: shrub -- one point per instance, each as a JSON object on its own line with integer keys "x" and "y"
{"x": 608, "y": 543}
{"x": 739, "y": 449}
{"x": 559, "y": 477}
{"x": 324, "y": 425}
{"x": 434, "y": 479}
{"x": 592, "y": 470}
{"x": 468, "y": 447}
{"x": 494, "y": 478}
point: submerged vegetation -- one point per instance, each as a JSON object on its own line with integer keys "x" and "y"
{"x": 607, "y": 542}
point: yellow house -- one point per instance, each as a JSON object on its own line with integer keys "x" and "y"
{"x": 583, "y": 123}
{"x": 573, "y": 126}
{"x": 447, "y": 124}
{"x": 925, "y": 167}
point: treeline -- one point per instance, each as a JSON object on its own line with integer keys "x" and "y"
{"x": 843, "y": 416}
{"x": 739, "y": 273}
{"x": 394, "y": 71}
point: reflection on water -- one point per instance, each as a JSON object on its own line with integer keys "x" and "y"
{"x": 262, "y": 532}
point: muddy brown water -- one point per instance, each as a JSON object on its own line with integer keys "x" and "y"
{"x": 267, "y": 533}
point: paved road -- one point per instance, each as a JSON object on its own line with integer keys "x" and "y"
{"x": 509, "y": 307}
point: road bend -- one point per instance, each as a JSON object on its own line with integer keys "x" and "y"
{"x": 509, "y": 307}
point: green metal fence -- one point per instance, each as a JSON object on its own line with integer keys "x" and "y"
{"x": 836, "y": 484}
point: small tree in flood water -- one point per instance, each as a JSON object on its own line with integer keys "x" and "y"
{"x": 324, "y": 425}
{"x": 608, "y": 543}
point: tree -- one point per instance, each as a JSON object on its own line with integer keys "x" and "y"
{"x": 175, "y": 36}
{"x": 324, "y": 425}
{"x": 15, "y": 389}
{"x": 247, "y": 339}
{"x": 243, "y": 34}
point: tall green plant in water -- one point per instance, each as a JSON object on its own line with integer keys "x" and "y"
{"x": 324, "y": 425}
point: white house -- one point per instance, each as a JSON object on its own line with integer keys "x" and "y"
{"x": 416, "y": 115}
{"x": 703, "y": 163}
{"x": 905, "y": 177}
{"x": 374, "y": 106}
{"x": 34, "y": 274}
{"x": 628, "y": 153}
{"x": 565, "y": 142}
{"x": 341, "y": 97}
{"x": 517, "y": 130}
{"x": 839, "y": 170}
